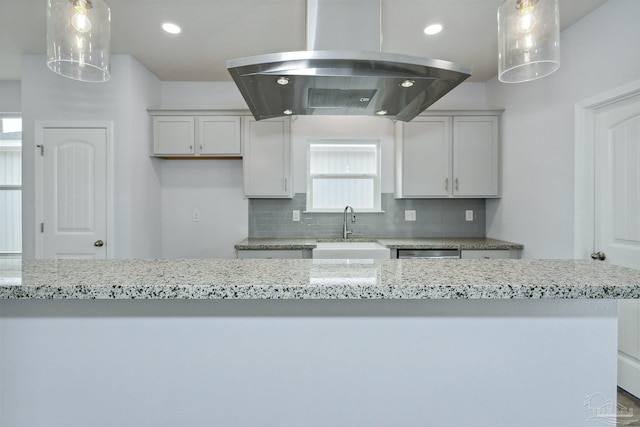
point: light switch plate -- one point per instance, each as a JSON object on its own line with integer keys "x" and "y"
{"x": 296, "y": 215}
{"x": 469, "y": 215}
{"x": 410, "y": 215}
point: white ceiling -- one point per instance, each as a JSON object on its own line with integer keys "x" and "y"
{"x": 217, "y": 30}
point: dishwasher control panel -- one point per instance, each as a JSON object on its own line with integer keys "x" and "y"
{"x": 429, "y": 253}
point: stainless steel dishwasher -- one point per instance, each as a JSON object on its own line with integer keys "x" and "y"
{"x": 428, "y": 253}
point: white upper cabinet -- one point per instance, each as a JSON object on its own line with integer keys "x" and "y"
{"x": 425, "y": 153}
{"x": 448, "y": 156}
{"x": 196, "y": 136}
{"x": 476, "y": 170}
{"x": 266, "y": 159}
{"x": 219, "y": 135}
{"x": 174, "y": 135}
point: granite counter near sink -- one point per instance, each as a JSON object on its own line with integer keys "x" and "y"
{"x": 303, "y": 247}
{"x": 391, "y": 243}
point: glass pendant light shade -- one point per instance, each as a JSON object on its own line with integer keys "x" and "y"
{"x": 528, "y": 40}
{"x": 78, "y": 39}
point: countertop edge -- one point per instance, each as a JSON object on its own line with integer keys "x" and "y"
{"x": 339, "y": 292}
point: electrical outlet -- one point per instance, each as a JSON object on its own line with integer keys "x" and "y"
{"x": 196, "y": 215}
{"x": 296, "y": 215}
{"x": 469, "y": 215}
{"x": 410, "y": 215}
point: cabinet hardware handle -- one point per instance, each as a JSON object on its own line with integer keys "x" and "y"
{"x": 200, "y": 147}
{"x": 190, "y": 147}
{"x": 456, "y": 184}
{"x": 446, "y": 184}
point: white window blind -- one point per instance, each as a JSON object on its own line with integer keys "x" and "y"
{"x": 343, "y": 173}
{"x": 10, "y": 186}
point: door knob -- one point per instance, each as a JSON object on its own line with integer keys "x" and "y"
{"x": 98, "y": 243}
{"x": 599, "y": 256}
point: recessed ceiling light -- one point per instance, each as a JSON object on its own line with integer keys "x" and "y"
{"x": 433, "y": 29}
{"x": 407, "y": 83}
{"x": 381, "y": 112}
{"x": 171, "y": 28}
{"x": 282, "y": 81}
{"x": 288, "y": 112}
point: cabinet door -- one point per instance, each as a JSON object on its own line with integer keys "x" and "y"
{"x": 426, "y": 157}
{"x": 219, "y": 136}
{"x": 485, "y": 254}
{"x": 173, "y": 135}
{"x": 475, "y": 157}
{"x": 270, "y": 254}
{"x": 267, "y": 158}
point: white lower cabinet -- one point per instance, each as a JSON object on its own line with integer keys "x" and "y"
{"x": 266, "y": 159}
{"x": 489, "y": 253}
{"x": 441, "y": 156}
{"x": 274, "y": 254}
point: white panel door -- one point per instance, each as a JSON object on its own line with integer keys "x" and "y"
{"x": 74, "y": 193}
{"x": 617, "y": 217}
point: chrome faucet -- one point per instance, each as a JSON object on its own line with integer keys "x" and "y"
{"x": 345, "y": 230}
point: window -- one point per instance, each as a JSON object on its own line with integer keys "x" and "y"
{"x": 10, "y": 185}
{"x": 341, "y": 173}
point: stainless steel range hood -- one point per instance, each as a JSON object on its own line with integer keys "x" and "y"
{"x": 353, "y": 80}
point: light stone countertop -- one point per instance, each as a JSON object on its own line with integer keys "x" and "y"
{"x": 317, "y": 279}
{"x": 391, "y": 243}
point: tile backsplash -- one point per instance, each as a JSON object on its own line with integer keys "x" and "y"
{"x": 434, "y": 218}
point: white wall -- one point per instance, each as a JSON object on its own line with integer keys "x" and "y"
{"x": 598, "y": 53}
{"x": 146, "y": 192}
{"x": 122, "y": 100}
{"x": 212, "y": 187}
{"x": 10, "y": 101}
{"x": 202, "y": 95}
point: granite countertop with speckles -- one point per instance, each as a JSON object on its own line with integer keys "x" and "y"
{"x": 391, "y": 243}
{"x": 317, "y": 279}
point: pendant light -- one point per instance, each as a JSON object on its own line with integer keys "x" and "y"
{"x": 528, "y": 40}
{"x": 78, "y": 39}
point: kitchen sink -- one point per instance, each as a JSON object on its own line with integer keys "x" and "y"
{"x": 351, "y": 250}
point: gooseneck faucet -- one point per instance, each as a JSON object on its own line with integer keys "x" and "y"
{"x": 345, "y": 230}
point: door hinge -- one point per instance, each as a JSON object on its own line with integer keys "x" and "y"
{"x": 41, "y": 147}
{"x": 42, "y": 227}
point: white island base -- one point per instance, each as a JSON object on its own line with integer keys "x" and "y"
{"x": 307, "y": 362}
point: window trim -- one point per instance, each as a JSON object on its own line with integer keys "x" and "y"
{"x": 377, "y": 178}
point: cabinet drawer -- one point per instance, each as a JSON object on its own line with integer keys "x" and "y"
{"x": 485, "y": 254}
{"x": 270, "y": 254}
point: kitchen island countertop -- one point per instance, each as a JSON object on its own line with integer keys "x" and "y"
{"x": 318, "y": 279}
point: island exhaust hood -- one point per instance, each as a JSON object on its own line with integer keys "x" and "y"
{"x": 356, "y": 79}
